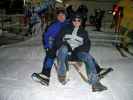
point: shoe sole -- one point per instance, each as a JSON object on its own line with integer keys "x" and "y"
{"x": 105, "y": 72}
{"x": 97, "y": 90}
{"x": 37, "y": 78}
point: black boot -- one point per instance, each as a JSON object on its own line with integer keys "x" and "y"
{"x": 41, "y": 78}
{"x": 98, "y": 87}
{"x": 44, "y": 78}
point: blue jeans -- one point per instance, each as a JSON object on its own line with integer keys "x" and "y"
{"x": 62, "y": 57}
{"x": 48, "y": 61}
{"x": 47, "y": 66}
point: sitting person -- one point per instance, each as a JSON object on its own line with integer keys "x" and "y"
{"x": 74, "y": 40}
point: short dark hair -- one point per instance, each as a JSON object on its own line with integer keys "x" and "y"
{"x": 60, "y": 12}
{"x": 77, "y": 15}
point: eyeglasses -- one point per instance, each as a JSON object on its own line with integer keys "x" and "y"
{"x": 77, "y": 20}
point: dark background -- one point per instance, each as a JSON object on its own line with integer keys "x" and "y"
{"x": 12, "y": 6}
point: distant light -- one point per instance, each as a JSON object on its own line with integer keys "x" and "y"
{"x": 24, "y": 2}
{"x": 114, "y": 13}
{"x": 60, "y": 1}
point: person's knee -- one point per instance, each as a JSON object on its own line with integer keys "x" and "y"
{"x": 63, "y": 50}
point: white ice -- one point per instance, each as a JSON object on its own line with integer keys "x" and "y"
{"x": 19, "y": 61}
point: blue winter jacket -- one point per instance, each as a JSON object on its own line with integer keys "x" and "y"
{"x": 52, "y": 32}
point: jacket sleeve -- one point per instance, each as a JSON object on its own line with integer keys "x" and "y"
{"x": 59, "y": 38}
{"x": 87, "y": 43}
{"x": 47, "y": 35}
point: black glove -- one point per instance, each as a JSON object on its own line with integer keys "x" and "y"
{"x": 51, "y": 52}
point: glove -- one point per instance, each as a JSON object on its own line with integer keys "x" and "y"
{"x": 51, "y": 52}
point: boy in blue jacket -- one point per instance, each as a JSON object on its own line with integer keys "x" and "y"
{"x": 49, "y": 45}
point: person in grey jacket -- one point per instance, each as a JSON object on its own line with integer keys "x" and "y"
{"x": 74, "y": 41}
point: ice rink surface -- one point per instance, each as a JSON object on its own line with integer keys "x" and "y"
{"x": 19, "y": 61}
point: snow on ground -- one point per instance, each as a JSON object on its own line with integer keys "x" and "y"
{"x": 19, "y": 61}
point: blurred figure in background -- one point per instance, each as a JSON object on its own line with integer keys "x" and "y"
{"x": 99, "y": 14}
{"x": 69, "y": 12}
{"x": 83, "y": 10}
